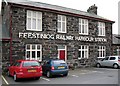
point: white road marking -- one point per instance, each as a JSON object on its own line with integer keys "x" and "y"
{"x": 45, "y": 79}
{"x": 83, "y": 73}
{"x": 105, "y": 68}
{"x": 94, "y": 71}
{"x": 75, "y": 76}
{"x": 100, "y": 72}
{"x": 4, "y": 80}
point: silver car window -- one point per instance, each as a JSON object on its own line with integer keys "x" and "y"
{"x": 106, "y": 58}
{"x": 112, "y": 58}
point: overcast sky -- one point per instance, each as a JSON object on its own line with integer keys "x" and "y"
{"x": 106, "y": 8}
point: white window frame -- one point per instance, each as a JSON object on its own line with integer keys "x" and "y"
{"x": 61, "y": 30}
{"x": 37, "y": 17}
{"x": 30, "y": 50}
{"x": 83, "y": 23}
{"x": 101, "y": 29}
{"x": 85, "y": 49}
{"x": 101, "y": 51}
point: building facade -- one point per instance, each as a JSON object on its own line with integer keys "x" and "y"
{"x": 116, "y": 44}
{"x": 34, "y": 30}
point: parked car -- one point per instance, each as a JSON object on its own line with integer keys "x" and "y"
{"x": 109, "y": 61}
{"x": 55, "y": 67}
{"x": 25, "y": 69}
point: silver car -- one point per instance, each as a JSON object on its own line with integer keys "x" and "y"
{"x": 109, "y": 61}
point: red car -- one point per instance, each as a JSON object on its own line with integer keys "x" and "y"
{"x": 25, "y": 69}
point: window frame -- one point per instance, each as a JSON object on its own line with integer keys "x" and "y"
{"x": 85, "y": 49}
{"x": 60, "y": 30}
{"x": 101, "y": 29}
{"x": 35, "y": 50}
{"x": 31, "y": 20}
{"x": 83, "y": 23}
{"x": 101, "y": 51}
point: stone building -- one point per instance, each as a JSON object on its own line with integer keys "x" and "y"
{"x": 34, "y": 30}
{"x": 116, "y": 44}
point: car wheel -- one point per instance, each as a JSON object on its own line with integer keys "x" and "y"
{"x": 115, "y": 66}
{"x": 15, "y": 77}
{"x": 98, "y": 65}
{"x": 48, "y": 74}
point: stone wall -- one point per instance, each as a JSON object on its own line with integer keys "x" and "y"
{"x": 114, "y": 48}
{"x": 49, "y": 25}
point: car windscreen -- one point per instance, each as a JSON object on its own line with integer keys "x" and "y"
{"x": 30, "y": 63}
{"x": 57, "y": 62}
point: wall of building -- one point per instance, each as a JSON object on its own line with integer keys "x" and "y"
{"x": 49, "y": 25}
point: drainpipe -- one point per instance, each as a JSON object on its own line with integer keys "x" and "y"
{"x": 10, "y": 35}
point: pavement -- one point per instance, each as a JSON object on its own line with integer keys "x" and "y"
{"x": 77, "y": 76}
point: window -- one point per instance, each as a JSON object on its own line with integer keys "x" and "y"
{"x": 112, "y": 58}
{"x": 34, "y": 52}
{"x": 83, "y": 26}
{"x": 62, "y": 24}
{"x": 106, "y": 58}
{"x": 34, "y": 20}
{"x": 83, "y": 52}
{"x": 101, "y": 29}
{"x": 30, "y": 63}
{"x": 101, "y": 51}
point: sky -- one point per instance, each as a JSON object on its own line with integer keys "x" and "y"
{"x": 107, "y": 8}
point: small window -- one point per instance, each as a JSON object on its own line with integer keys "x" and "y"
{"x": 33, "y": 52}
{"x": 106, "y": 58}
{"x": 34, "y": 20}
{"x": 61, "y": 24}
{"x": 112, "y": 58}
{"x": 101, "y": 29}
{"x": 27, "y": 64}
{"x": 83, "y": 26}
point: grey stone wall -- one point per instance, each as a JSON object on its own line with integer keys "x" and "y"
{"x": 49, "y": 25}
{"x": 114, "y": 48}
{"x": 5, "y": 51}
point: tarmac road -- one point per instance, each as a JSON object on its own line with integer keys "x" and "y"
{"x": 77, "y": 76}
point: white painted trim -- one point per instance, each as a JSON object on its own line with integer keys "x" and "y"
{"x": 65, "y": 52}
{"x": 37, "y": 18}
{"x": 84, "y": 50}
{"x": 83, "y": 24}
{"x": 30, "y": 58}
{"x": 101, "y": 29}
{"x": 61, "y": 21}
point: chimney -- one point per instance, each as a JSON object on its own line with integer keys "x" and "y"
{"x": 92, "y": 9}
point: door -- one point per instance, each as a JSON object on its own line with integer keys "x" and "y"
{"x": 62, "y": 54}
{"x": 112, "y": 60}
{"x": 105, "y": 61}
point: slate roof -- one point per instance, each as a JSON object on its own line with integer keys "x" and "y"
{"x": 116, "y": 39}
{"x": 55, "y": 7}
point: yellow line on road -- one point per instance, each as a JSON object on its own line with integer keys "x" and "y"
{"x": 4, "y": 80}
